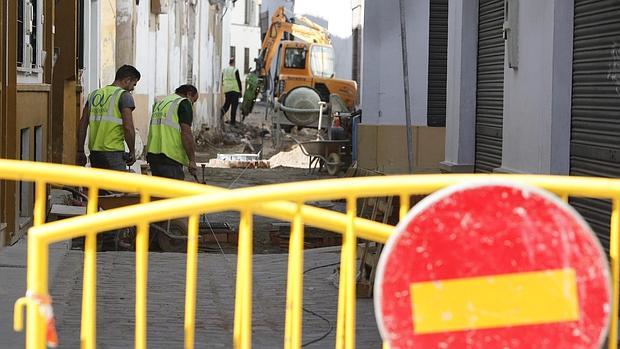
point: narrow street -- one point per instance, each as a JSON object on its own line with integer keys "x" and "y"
{"x": 215, "y": 304}
{"x": 457, "y": 165}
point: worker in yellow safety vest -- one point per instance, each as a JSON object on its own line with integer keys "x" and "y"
{"x": 231, "y": 85}
{"x": 170, "y": 143}
{"x": 108, "y": 118}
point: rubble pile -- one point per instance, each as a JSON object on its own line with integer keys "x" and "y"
{"x": 293, "y": 158}
{"x": 216, "y": 163}
{"x": 237, "y": 134}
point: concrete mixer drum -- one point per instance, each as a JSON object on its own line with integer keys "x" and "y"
{"x": 301, "y": 106}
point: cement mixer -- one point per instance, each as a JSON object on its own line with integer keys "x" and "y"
{"x": 301, "y": 107}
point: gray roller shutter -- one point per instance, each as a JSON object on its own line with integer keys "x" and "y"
{"x": 437, "y": 63}
{"x": 490, "y": 86}
{"x": 595, "y": 121}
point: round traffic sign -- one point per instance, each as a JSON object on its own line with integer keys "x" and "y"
{"x": 493, "y": 265}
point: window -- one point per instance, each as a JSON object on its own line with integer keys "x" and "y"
{"x": 246, "y": 63}
{"x": 357, "y": 55}
{"x": 20, "y": 33}
{"x": 233, "y": 52}
{"x": 25, "y": 188}
{"x": 248, "y": 11}
{"x": 38, "y": 143}
{"x": 295, "y": 58}
{"x": 29, "y": 31}
{"x": 322, "y": 61}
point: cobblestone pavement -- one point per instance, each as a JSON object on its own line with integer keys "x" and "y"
{"x": 215, "y": 305}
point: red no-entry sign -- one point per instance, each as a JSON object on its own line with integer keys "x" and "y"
{"x": 496, "y": 265}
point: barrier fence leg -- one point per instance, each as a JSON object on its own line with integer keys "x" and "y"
{"x": 614, "y": 252}
{"x": 89, "y": 292}
{"x": 242, "y": 334}
{"x": 190, "y": 282}
{"x": 294, "y": 288}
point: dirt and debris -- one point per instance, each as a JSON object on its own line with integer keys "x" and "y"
{"x": 281, "y": 164}
{"x": 217, "y": 163}
{"x": 253, "y": 136}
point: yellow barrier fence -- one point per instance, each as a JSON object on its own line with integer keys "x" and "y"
{"x": 282, "y": 201}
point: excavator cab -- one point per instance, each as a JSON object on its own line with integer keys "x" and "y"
{"x": 311, "y": 65}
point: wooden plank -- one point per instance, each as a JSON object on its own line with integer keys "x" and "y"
{"x": 67, "y": 210}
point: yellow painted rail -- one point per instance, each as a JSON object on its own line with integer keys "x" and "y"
{"x": 282, "y": 201}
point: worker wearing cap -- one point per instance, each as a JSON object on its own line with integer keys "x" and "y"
{"x": 231, "y": 84}
{"x": 170, "y": 143}
{"x": 108, "y": 118}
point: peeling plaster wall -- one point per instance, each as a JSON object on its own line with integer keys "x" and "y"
{"x": 173, "y": 49}
{"x": 207, "y": 61}
{"x": 108, "y": 43}
{"x": 124, "y": 32}
{"x": 91, "y": 75}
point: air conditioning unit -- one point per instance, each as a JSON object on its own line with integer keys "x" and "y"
{"x": 159, "y": 7}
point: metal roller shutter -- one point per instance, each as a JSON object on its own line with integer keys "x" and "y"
{"x": 595, "y": 120}
{"x": 490, "y": 86}
{"x": 437, "y": 63}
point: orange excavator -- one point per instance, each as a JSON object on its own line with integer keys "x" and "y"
{"x": 303, "y": 73}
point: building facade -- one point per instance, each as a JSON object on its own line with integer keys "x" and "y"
{"x": 170, "y": 42}
{"x": 53, "y": 54}
{"x": 39, "y": 97}
{"x": 546, "y": 98}
{"x": 243, "y": 40}
{"x": 531, "y": 87}
{"x": 382, "y": 137}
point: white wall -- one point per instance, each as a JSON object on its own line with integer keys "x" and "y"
{"x": 205, "y": 42}
{"x": 461, "y": 85}
{"x": 382, "y": 70}
{"x": 143, "y": 50}
{"x": 174, "y": 46}
{"x": 537, "y": 95}
{"x": 167, "y": 56}
{"x": 226, "y": 35}
{"x": 243, "y": 36}
{"x": 91, "y": 77}
{"x": 238, "y": 12}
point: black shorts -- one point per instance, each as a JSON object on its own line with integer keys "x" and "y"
{"x": 109, "y": 160}
{"x": 163, "y": 166}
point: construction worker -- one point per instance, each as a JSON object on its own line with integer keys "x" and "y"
{"x": 108, "y": 118}
{"x": 231, "y": 84}
{"x": 170, "y": 143}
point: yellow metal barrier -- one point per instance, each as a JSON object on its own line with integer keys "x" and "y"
{"x": 283, "y": 201}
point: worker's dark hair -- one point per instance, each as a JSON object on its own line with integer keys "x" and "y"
{"x": 231, "y": 60}
{"x": 185, "y": 89}
{"x": 127, "y": 71}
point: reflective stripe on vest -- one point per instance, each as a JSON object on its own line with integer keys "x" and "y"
{"x": 105, "y": 120}
{"x": 229, "y": 82}
{"x": 112, "y": 119}
{"x": 165, "y": 130}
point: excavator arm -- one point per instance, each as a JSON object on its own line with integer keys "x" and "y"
{"x": 304, "y": 29}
